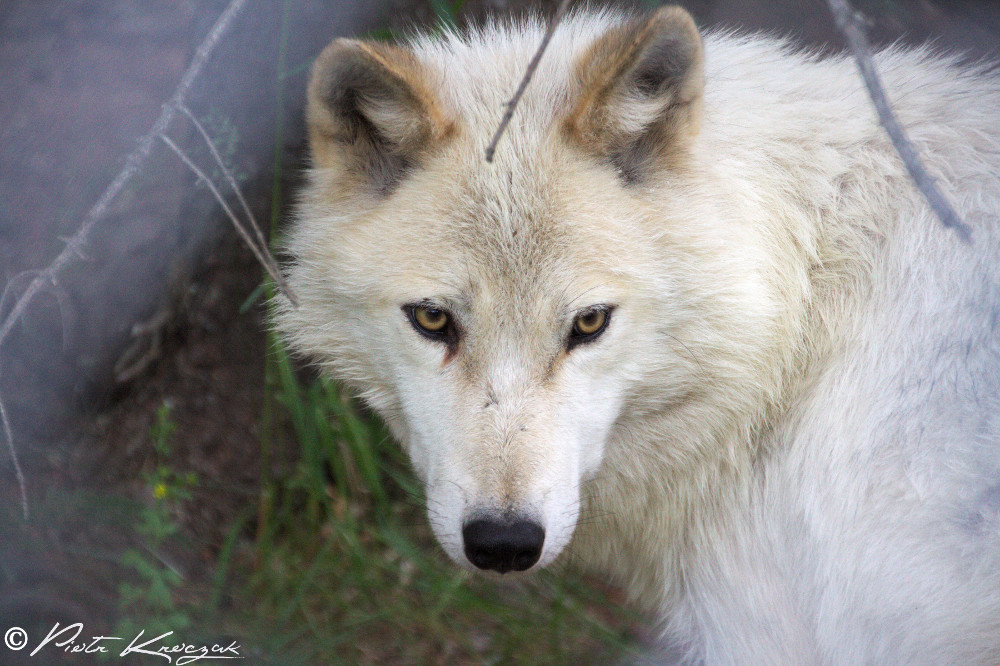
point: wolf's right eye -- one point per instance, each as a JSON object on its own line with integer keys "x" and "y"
{"x": 430, "y": 321}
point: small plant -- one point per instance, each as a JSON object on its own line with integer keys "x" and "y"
{"x": 150, "y": 604}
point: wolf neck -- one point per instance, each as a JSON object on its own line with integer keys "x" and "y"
{"x": 703, "y": 455}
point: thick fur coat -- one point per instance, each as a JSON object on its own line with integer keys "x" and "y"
{"x": 785, "y": 438}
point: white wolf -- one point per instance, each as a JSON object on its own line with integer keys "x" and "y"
{"x": 693, "y": 324}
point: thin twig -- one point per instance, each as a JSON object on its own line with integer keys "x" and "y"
{"x": 849, "y": 24}
{"x": 8, "y": 291}
{"x": 18, "y": 472}
{"x": 261, "y": 251}
{"x": 528, "y": 73}
{"x": 262, "y": 255}
{"x": 229, "y": 176}
{"x": 135, "y": 160}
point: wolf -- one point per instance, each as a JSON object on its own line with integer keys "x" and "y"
{"x": 693, "y": 327}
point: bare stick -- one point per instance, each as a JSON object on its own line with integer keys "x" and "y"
{"x": 528, "y": 73}
{"x": 850, "y": 25}
{"x": 263, "y": 256}
{"x": 229, "y": 177}
{"x": 261, "y": 251}
{"x": 18, "y": 472}
{"x": 135, "y": 160}
{"x": 8, "y": 291}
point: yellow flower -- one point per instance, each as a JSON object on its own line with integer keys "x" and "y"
{"x": 160, "y": 490}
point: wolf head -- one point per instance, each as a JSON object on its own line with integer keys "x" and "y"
{"x": 504, "y": 318}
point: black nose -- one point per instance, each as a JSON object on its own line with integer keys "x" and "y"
{"x": 503, "y": 546}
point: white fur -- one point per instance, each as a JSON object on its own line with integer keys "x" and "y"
{"x": 788, "y": 440}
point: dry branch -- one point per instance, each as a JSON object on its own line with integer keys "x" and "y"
{"x": 18, "y": 472}
{"x": 260, "y": 250}
{"x": 135, "y": 160}
{"x": 849, "y": 24}
{"x": 528, "y": 73}
{"x": 262, "y": 254}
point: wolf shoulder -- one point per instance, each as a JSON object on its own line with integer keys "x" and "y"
{"x": 892, "y": 455}
{"x": 894, "y": 452}
{"x": 926, "y": 338}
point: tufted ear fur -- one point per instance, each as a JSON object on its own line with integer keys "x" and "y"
{"x": 641, "y": 88}
{"x": 371, "y": 112}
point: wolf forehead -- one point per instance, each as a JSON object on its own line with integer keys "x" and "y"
{"x": 461, "y": 80}
{"x": 398, "y": 134}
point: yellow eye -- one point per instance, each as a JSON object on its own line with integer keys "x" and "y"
{"x": 590, "y": 322}
{"x": 429, "y": 318}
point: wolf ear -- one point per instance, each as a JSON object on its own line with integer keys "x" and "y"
{"x": 371, "y": 112}
{"x": 641, "y": 88}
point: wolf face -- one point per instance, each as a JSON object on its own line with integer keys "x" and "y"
{"x": 496, "y": 314}
{"x": 501, "y": 357}
{"x": 709, "y": 333}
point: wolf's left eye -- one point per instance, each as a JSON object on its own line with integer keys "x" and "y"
{"x": 430, "y": 321}
{"x": 589, "y": 324}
